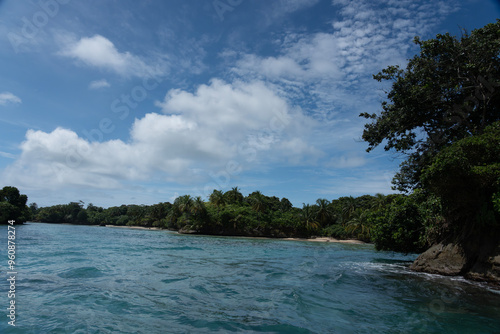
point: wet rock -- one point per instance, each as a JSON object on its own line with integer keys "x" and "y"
{"x": 187, "y": 231}
{"x": 479, "y": 260}
{"x": 487, "y": 267}
{"x": 444, "y": 259}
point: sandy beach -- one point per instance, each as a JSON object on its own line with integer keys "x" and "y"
{"x": 326, "y": 239}
{"x": 136, "y": 227}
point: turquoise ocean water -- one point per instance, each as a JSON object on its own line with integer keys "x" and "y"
{"x": 88, "y": 279}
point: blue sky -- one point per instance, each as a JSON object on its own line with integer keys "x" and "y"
{"x": 137, "y": 102}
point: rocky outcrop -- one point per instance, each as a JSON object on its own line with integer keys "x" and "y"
{"x": 479, "y": 260}
{"x": 187, "y": 230}
{"x": 487, "y": 267}
{"x": 444, "y": 259}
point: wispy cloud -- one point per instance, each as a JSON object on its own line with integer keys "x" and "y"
{"x": 347, "y": 161}
{"x": 7, "y": 155}
{"x": 99, "y": 52}
{"x": 331, "y": 66}
{"x": 99, "y": 84}
{"x": 8, "y": 97}
{"x": 281, "y": 8}
{"x": 185, "y": 52}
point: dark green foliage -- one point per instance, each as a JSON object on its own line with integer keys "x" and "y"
{"x": 233, "y": 196}
{"x": 400, "y": 227}
{"x": 447, "y": 92}
{"x": 443, "y": 111}
{"x": 12, "y": 196}
{"x": 34, "y": 209}
{"x": 122, "y": 220}
{"x": 67, "y": 213}
{"x": 324, "y": 213}
{"x": 82, "y": 217}
{"x": 466, "y": 175}
{"x": 217, "y": 198}
{"x": 8, "y": 212}
{"x": 383, "y": 219}
{"x": 285, "y": 205}
{"x": 13, "y": 206}
{"x": 335, "y": 231}
{"x": 496, "y": 202}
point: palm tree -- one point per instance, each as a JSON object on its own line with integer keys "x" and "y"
{"x": 309, "y": 218}
{"x": 359, "y": 225}
{"x": 198, "y": 208}
{"x": 323, "y": 215}
{"x": 348, "y": 208}
{"x": 258, "y": 202}
{"x": 174, "y": 214}
{"x": 185, "y": 204}
{"x": 285, "y": 205}
{"x": 234, "y": 196}
{"x": 217, "y": 198}
{"x": 379, "y": 201}
{"x": 199, "y": 212}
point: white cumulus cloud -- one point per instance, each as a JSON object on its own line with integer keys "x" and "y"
{"x": 198, "y": 132}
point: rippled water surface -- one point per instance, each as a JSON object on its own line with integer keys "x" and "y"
{"x": 87, "y": 279}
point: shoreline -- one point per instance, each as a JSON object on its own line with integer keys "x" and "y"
{"x": 137, "y": 227}
{"x": 316, "y": 239}
{"x": 326, "y": 239}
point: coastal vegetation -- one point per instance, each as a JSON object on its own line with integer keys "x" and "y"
{"x": 396, "y": 222}
{"x": 13, "y": 206}
{"x": 443, "y": 113}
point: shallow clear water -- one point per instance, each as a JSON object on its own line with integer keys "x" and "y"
{"x": 88, "y": 279}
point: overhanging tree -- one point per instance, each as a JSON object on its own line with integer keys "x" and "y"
{"x": 448, "y": 92}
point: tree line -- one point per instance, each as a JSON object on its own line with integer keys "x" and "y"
{"x": 396, "y": 222}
